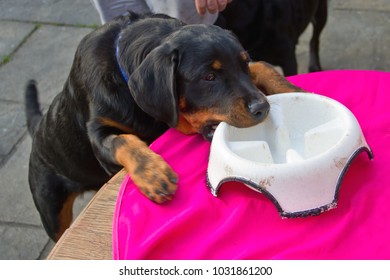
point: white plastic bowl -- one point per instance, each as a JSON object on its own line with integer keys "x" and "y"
{"x": 297, "y": 157}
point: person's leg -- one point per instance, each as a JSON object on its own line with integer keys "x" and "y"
{"x": 109, "y": 9}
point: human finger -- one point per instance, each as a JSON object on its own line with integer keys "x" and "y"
{"x": 200, "y": 6}
{"x": 222, "y": 4}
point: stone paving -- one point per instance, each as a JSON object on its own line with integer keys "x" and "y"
{"x": 38, "y": 39}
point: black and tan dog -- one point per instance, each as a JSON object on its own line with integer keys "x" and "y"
{"x": 270, "y": 29}
{"x": 131, "y": 79}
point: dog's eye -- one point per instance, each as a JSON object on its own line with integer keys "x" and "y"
{"x": 210, "y": 77}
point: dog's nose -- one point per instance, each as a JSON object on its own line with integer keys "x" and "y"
{"x": 259, "y": 109}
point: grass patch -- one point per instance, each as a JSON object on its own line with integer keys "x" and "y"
{"x": 5, "y": 59}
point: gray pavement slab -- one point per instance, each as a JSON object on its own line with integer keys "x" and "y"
{"x": 21, "y": 233}
{"x": 45, "y": 56}
{"x": 22, "y": 242}
{"x": 352, "y": 38}
{"x": 75, "y": 12}
{"x": 43, "y": 52}
{"x": 372, "y": 5}
{"x": 19, "y": 219}
{"x": 12, "y": 35}
{"x": 356, "y": 40}
{"x": 12, "y": 127}
{"x": 15, "y": 196}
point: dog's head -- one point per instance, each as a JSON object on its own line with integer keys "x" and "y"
{"x": 197, "y": 78}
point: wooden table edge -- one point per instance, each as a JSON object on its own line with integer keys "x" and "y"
{"x": 90, "y": 235}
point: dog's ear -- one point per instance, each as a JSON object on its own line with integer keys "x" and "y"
{"x": 153, "y": 84}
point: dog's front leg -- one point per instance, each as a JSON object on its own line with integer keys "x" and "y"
{"x": 152, "y": 175}
{"x": 268, "y": 80}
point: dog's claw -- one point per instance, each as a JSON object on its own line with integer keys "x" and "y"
{"x": 174, "y": 180}
{"x": 157, "y": 181}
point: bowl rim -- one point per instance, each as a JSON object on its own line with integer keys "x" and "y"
{"x": 298, "y": 214}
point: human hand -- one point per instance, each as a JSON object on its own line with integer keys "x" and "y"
{"x": 212, "y": 6}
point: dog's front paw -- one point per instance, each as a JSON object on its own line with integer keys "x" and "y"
{"x": 155, "y": 179}
{"x": 270, "y": 81}
{"x": 153, "y": 176}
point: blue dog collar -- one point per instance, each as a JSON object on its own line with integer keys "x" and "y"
{"x": 124, "y": 75}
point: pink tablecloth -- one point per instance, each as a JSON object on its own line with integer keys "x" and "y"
{"x": 244, "y": 224}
